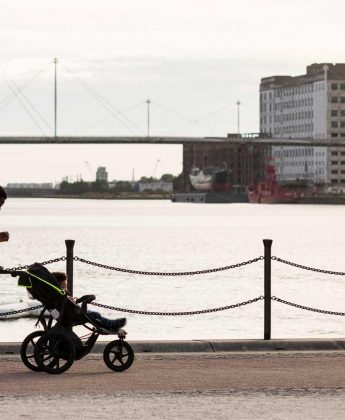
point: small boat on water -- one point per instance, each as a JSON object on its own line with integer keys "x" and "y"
{"x": 210, "y": 179}
{"x": 16, "y": 306}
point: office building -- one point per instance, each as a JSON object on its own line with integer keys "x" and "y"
{"x": 310, "y": 106}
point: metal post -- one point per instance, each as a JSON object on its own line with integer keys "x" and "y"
{"x": 69, "y": 263}
{"x": 267, "y": 279}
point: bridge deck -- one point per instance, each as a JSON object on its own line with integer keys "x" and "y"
{"x": 167, "y": 140}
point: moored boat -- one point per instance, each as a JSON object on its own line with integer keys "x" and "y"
{"x": 17, "y": 306}
{"x": 270, "y": 191}
{"x": 210, "y": 179}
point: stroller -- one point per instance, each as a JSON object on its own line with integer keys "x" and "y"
{"x": 56, "y": 347}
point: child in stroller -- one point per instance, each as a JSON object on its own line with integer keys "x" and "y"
{"x": 109, "y": 324}
{"x": 54, "y": 349}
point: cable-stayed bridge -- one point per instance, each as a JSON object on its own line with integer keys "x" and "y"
{"x": 137, "y": 135}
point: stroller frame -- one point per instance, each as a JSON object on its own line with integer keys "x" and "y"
{"x": 55, "y": 348}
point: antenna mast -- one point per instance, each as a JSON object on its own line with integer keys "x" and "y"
{"x": 55, "y": 96}
{"x": 148, "y": 117}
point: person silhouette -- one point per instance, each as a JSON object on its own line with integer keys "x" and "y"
{"x": 4, "y": 236}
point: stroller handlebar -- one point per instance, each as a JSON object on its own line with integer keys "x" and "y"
{"x": 86, "y": 299}
{"x": 13, "y": 273}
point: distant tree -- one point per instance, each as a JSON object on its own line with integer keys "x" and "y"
{"x": 123, "y": 186}
{"x": 99, "y": 186}
{"x": 167, "y": 178}
{"x": 78, "y": 187}
{"x": 178, "y": 183}
{"x": 146, "y": 179}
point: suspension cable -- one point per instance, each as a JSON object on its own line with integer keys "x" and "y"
{"x": 103, "y": 101}
{"x": 11, "y": 96}
{"x": 23, "y": 105}
{"x": 18, "y": 89}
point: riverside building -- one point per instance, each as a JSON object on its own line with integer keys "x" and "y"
{"x": 310, "y": 106}
{"x": 102, "y": 174}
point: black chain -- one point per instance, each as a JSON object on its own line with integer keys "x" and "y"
{"x": 19, "y": 311}
{"x": 24, "y": 267}
{"x": 304, "y": 267}
{"x": 203, "y": 311}
{"x": 307, "y": 308}
{"x": 157, "y": 273}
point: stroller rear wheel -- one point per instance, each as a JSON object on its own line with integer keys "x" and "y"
{"x": 118, "y": 355}
{"x": 27, "y": 350}
{"x": 54, "y": 353}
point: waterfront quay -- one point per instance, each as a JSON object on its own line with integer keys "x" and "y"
{"x": 185, "y": 385}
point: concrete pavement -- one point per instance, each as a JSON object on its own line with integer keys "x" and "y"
{"x": 188, "y": 380}
{"x": 210, "y": 346}
{"x": 279, "y": 385}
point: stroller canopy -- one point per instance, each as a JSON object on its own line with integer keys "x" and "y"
{"x": 42, "y": 285}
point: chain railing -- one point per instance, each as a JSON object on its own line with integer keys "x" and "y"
{"x": 307, "y": 308}
{"x": 133, "y": 311}
{"x": 267, "y": 298}
{"x": 305, "y": 267}
{"x": 20, "y": 311}
{"x": 165, "y": 273}
{"x": 197, "y": 312}
{"x": 24, "y": 267}
{"x": 202, "y": 311}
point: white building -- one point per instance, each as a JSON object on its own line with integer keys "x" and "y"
{"x": 311, "y": 106}
{"x": 31, "y": 186}
{"x": 155, "y": 186}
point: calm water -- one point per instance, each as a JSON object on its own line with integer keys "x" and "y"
{"x": 164, "y": 236}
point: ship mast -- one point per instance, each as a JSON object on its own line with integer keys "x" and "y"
{"x": 238, "y": 103}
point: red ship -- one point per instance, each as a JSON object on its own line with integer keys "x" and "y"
{"x": 270, "y": 191}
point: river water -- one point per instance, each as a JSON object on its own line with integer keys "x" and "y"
{"x": 165, "y": 236}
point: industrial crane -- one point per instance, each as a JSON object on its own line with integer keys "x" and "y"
{"x": 155, "y": 168}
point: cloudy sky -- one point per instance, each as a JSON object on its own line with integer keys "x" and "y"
{"x": 194, "y": 59}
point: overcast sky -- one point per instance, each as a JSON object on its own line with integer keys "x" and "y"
{"x": 194, "y": 59}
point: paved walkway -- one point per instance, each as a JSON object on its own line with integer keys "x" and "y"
{"x": 185, "y": 386}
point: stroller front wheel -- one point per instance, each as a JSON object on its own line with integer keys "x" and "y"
{"x": 118, "y": 355}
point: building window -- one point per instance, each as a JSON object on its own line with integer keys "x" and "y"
{"x": 334, "y": 171}
{"x": 334, "y": 112}
{"x": 334, "y": 124}
{"x": 334, "y": 153}
{"x": 334, "y": 134}
{"x": 342, "y": 99}
{"x": 334, "y": 99}
{"x": 342, "y": 86}
{"x": 334, "y": 86}
{"x": 342, "y": 112}
{"x": 334, "y": 162}
{"x": 342, "y": 124}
